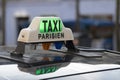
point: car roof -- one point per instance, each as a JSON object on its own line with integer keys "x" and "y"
{"x": 11, "y": 72}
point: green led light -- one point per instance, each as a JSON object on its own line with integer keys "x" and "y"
{"x": 50, "y": 25}
{"x": 54, "y": 69}
{"x": 43, "y": 71}
{"x": 38, "y": 71}
{"x": 46, "y": 70}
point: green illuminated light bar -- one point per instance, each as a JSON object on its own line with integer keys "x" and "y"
{"x": 46, "y": 70}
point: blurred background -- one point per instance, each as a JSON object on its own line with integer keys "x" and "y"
{"x": 95, "y": 23}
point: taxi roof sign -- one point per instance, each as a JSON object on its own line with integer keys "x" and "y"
{"x": 45, "y": 29}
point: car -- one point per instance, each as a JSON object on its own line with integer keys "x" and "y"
{"x": 45, "y": 63}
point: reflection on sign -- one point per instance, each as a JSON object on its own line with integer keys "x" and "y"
{"x": 46, "y": 70}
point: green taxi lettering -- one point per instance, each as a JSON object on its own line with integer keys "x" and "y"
{"x": 50, "y": 25}
{"x": 50, "y": 28}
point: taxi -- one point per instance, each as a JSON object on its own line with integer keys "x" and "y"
{"x": 45, "y": 50}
